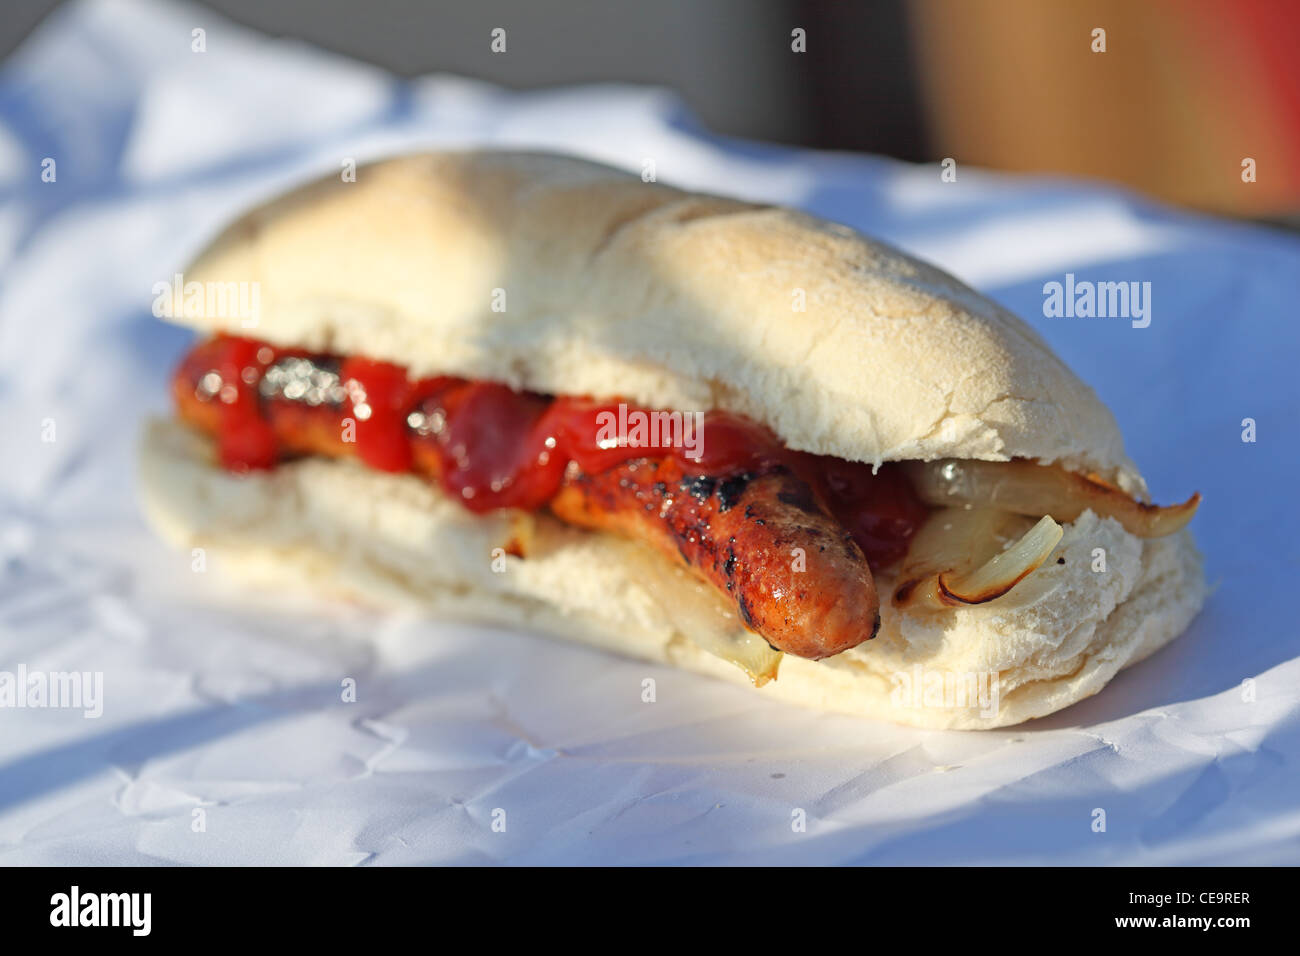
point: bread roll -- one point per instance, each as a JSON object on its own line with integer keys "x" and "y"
{"x": 562, "y": 276}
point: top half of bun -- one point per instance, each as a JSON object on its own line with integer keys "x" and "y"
{"x": 564, "y": 276}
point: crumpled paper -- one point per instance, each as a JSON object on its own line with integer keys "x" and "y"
{"x": 225, "y": 736}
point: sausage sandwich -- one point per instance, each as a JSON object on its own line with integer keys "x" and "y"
{"x": 531, "y": 389}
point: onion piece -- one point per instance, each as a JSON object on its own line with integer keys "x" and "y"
{"x": 1004, "y": 571}
{"x": 711, "y": 627}
{"x": 960, "y": 539}
{"x": 748, "y": 651}
{"x": 949, "y": 563}
{"x": 1028, "y": 488}
{"x": 702, "y": 615}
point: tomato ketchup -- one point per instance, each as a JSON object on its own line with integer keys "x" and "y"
{"x": 493, "y": 447}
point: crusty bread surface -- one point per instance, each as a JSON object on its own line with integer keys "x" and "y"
{"x": 567, "y": 277}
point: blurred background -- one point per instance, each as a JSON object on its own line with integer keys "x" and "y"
{"x": 1183, "y": 93}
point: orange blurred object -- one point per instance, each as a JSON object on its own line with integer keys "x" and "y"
{"x": 1184, "y": 93}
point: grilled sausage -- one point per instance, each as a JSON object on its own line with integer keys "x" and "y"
{"x": 762, "y": 538}
{"x": 794, "y": 573}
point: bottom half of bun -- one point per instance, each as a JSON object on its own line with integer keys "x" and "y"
{"x": 1104, "y": 599}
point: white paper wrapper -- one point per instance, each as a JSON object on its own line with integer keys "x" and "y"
{"x": 223, "y": 737}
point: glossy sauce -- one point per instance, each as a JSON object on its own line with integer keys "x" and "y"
{"x": 492, "y": 447}
{"x": 246, "y": 440}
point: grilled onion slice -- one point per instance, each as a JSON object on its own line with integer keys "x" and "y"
{"x": 1028, "y": 488}
{"x": 700, "y": 614}
{"x": 957, "y": 558}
